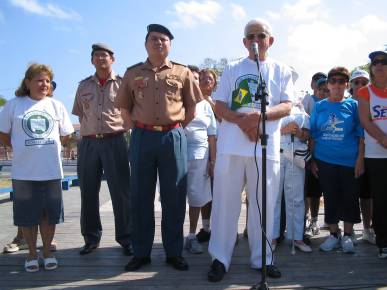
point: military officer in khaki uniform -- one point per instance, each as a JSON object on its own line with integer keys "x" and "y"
{"x": 102, "y": 150}
{"x": 157, "y": 97}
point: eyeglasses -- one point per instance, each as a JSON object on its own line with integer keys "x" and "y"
{"x": 362, "y": 83}
{"x": 340, "y": 81}
{"x": 259, "y": 36}
{"x": 379, "y": 61}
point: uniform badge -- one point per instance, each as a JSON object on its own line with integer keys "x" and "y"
{"x": 141, "y": 82}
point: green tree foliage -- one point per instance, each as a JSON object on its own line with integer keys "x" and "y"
{"x": 217, "y": 65}
{"x": 2, "y": 101}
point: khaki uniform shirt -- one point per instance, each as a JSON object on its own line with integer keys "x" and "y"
{"x": 95, "y": 107}
{"x": 158, "y": 97}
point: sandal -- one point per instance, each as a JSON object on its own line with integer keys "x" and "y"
{"x": 50, "y": 263}
{"x": 31, "y": 266}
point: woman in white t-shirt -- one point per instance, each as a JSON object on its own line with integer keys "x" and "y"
{"x": 201, "y": 141}
{"x": 35, "y": 125}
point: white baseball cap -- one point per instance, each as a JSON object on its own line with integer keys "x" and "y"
{"x": 359, "y": 73}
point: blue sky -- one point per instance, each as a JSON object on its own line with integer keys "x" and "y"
{"x": 310, "y": 35}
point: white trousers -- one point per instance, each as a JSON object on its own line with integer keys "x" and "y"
{"x": 292, "y": 179}
{"x": 231, "y": 174}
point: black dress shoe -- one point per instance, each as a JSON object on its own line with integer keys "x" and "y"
{"x": 88, "y": 248}
{"x": 127, "y": 250}
{"x": 217, "y": 271}
{"x": 136, "y": 263}
{"x": 272, "y": 271}
{"x": 178, "y": 263}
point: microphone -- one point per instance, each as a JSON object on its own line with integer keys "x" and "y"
{"x": 254, "y": 47}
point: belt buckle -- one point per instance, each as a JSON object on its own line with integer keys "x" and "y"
{"x": 158, "y": 128}
{"x": 99, "y": 136}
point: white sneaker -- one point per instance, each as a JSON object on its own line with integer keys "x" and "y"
{"x": 193, "y": 245}
{"x": 16, "y": 245}
{"x": 302, "y": 247}
{"x": 330, "y": 243}
{"x": 347, "y": 245}
{"x": 369, "y": 236}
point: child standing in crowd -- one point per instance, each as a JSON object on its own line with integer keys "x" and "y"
{"x": 35, "y": 124}
{"x": 313, "y": 191}
{"x": 294, "y": 134}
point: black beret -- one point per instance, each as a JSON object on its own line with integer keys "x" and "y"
{"x": 101, "y": 46}
{"x": 159, "y": 28}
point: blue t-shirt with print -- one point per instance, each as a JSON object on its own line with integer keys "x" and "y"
{"x": 336, "y": 129}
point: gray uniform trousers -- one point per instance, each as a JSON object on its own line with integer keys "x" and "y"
{"x": 109, "y": 157}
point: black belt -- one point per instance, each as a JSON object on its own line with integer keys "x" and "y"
{"x": 104, "y": 135}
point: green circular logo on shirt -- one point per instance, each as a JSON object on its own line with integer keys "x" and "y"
{"x": 37, "y": 124}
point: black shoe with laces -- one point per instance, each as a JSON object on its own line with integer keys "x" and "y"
{"x": 217, "y": 271}
{"x": 203, "y": 236}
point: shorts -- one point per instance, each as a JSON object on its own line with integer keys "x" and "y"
{"x": 34, "y": 199}
{"x": 198, "y": 183}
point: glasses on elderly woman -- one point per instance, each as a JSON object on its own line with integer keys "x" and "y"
{"x": 340, "y": 81}
{"x": 379, "y": 61}
{"x": 251, "y": 36}
{"x": 361, "y": 83}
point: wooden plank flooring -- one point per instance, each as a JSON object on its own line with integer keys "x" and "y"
{"x": 104, "y": 268}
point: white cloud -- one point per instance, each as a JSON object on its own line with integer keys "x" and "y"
{"x": 314, "y": 40}
{"x": 237, "y": 11}
{"x": 48, "y": 10}
{"x": 273, "y": 15}
{"x": 303, "y": 10}
{"x": 319, "y": 45}
{"x": 192, "y": 13}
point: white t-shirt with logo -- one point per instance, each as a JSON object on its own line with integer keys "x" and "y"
{"x": 35, "y": 128}
{"x": 198, "y": 130}
{"x": 237, "y": 88}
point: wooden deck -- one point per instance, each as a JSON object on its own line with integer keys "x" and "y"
{"x": 104, "y": 268}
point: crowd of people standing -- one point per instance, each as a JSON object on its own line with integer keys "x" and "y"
{"x": 200, "y": 137}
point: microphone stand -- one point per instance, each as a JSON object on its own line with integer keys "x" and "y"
{"x": 261, "y": 95}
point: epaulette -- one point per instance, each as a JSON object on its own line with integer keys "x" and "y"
{"x": 178, "y": 63}
{"x": 137, "y": 64}
{"x": 86, "y": 79}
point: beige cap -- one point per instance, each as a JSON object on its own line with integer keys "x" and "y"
{"x": 258, "y": 25}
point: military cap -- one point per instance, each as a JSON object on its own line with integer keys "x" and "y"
{"x": 101, "y": 46}
{"x": 159, "y": 28}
